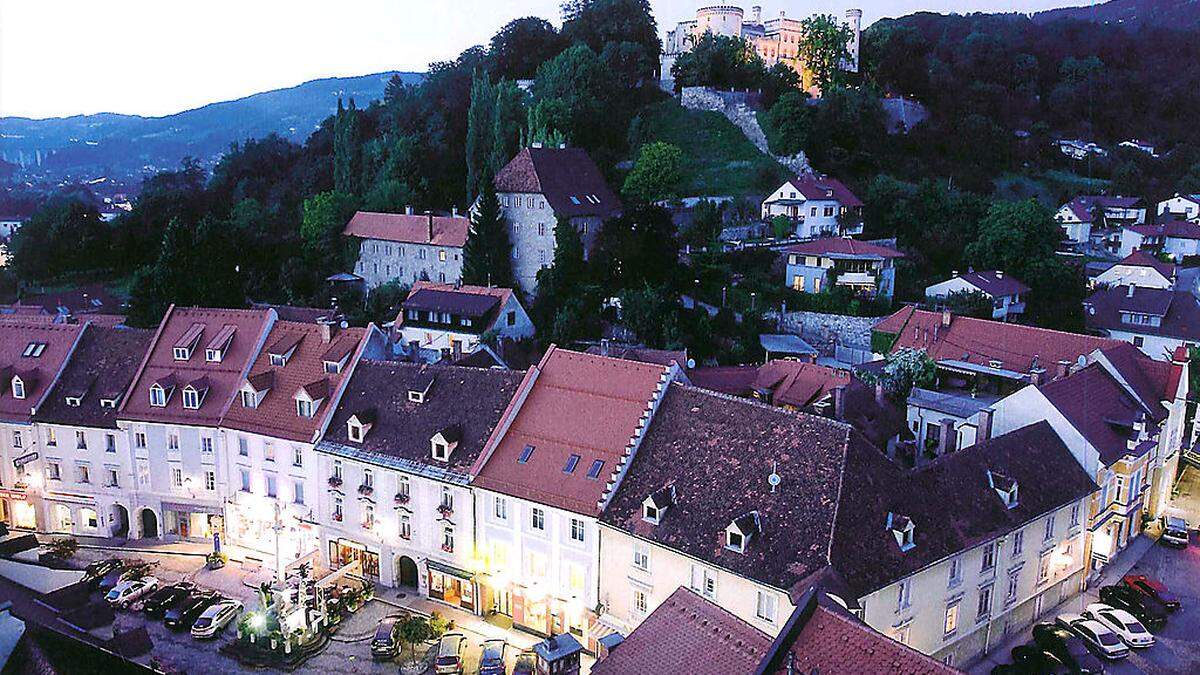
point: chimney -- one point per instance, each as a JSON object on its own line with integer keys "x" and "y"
{"x": 880, "y": 394}
{"x": 1129, "y": 291}
{"x": 1035, "y": 376}
{"x": 328, "y": 328}
{"x": 430, "y": 215}
{"x": 946, "y": 437}
{"x": 999, "y": 274}
{"x": 839, "y": 403}
{"x": 604, "y": 347}
{"x": 1064, "y": 369}
{"x": 984, "y": 431}
{"x": 947, "y": 317}
{"x": 454, "y": 211}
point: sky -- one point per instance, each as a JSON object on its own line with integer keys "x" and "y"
{"x": 157, "y": 57}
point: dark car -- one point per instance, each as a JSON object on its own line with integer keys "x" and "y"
{"x": 1067, "y": 647}
{"x": 184, "y": 614}
{"x": 491, "y": 661}
{"x": 526, "y": 664}
{"x": 1153, "y": 588}
{"x": 1148, "y": 610}
{"x": 110, "y": 579}
{"x": 386, "y": 643}
{"x": 96, "y": 571}
{"x": 1030, "y": 659}
{"x": 167, "y": 597}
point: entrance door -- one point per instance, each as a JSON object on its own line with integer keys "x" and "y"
{"x": 185, "y": 523}
{"x": 408, "y": 572}
{"x": 120, "y": 521}
{"x": 149, "y": 524}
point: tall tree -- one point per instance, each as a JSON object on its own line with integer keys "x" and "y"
{"x": 481, "y": 133}
{"x": 656, "y": 174}
{"x": 596, "y": 23}
{"x": 347, "y": 150}
{"x": 487, "y": 256}
{"x": 824, "y": 48}
{"x": 522, "y": 45}
{"x": 510, "y": 124}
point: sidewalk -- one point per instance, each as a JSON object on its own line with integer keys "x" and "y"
{"x": 1112, "y": 573}
{"x": 463, "y": 620}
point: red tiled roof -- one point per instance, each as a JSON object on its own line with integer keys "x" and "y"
{"x": 1152, "y": 380}
{"x": 567, "y": 177}
{"x": 276, "y": 412}
{"x": 688, "y": 635}
{"x": 732, "y": 380}
{"x": 223, "y": 377}
{"x": 409, "y": 229}
{"x": 1142, "y": 259}
{"x": 797, "y": 383}
{"x": 981, "y": 341}
{"x": 1179, "y": 229}
{"x": 813, "y": 186}
{"x": 579, "y": 404}
{"x": 40, "y": 371}
{"x": 662, "y": 357}
{"x": 844, "y": 247}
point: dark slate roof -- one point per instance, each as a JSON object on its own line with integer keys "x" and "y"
{"x": 816, "y": 187}
{"x": 1180, "y": 311}
{"x": 995, "y": 283}
{"x": 102, "y": 366}
{"x": 87, "y": 299}
{"x": 567, "y": 177}
{"x": 463, "y": 304}
{"x": 718, "y": 452}
{"x": 1176, "y": 229}
{"x": 949, "y": 501}
{"x": 1099, "y": 408}
{"x": 472, "y": 398}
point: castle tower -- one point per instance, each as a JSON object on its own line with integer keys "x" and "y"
{"x": 756, "y": 14}
{"x": 719, "y": 20}
{"x": 854, "y": 21}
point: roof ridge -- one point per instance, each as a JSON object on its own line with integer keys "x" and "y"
{"x": 796, "y": 414}
{"x": 959, "y": 318}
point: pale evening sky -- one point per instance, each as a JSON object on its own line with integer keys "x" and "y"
{"x": 156, "y": 57}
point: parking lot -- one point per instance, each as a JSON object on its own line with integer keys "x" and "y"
{"x": 348, "y": 650}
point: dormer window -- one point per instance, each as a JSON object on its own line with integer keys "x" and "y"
{"x": 903, "y": 529}
{"x": 305, "y": 408}
{"x": 310, "y": 396}
{"x": 278, "y": 360}
{"x": 418, "y": 391}
{"x": 34, "y": 349}
{"x": 74, "y": 401}
{"x": 739, "y": 532}
{"x": 108, "y": 403}
{"x": 333, "y": 367}
{"x": 18, "y": 387}
{"x": 650, "y": 513}
{"x": 158, "y": 395}
{"x": 281, "y": 351}
{"x": 215, "y": 351}
{"x": 355, "y": 432}
{"x": 359, "y": 424}
{"x": 655, "y": 506}
{"x": 1004, "y": 486}
{"x": 186, "y": 344}
{"x": 444, "y": 442}
{"x": 182, "y": 353}
{"x": 213, "y": 355}
{"x": 249, "y": 398}
{"x": 191, "y": 398}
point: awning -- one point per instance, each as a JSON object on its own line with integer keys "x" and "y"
{"x": 193, "y": 508}
{"x": 449, "y": 569}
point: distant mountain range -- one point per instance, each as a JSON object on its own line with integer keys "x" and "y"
{"x": 1181, "y": 14}
{"x": 112, "y": 144}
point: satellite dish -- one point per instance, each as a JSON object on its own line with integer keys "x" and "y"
{"x": 774, "y": 479}
{"x": 691, "y": 363}
{"x": 1081, "y": 361}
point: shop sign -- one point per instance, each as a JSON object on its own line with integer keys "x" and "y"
{"x": 25, "y": 459}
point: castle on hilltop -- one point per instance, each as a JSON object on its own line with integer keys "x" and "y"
{"x": 776, "y": 40}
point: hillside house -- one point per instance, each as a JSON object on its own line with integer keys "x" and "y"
{"x": 440, "y": 321}
{"x": 1154, "y": 320}
{"x": 1177, "y": 239}
{"x": 866, "y": 268}
{"x": 1138, "y": 269}
{"x": 1180, "y": 207}
{"x": 1006, "y": 292}
{"x": 407, "y": 247}
{"x": 817, "y": 206}
{"x": 1084, "y": 214}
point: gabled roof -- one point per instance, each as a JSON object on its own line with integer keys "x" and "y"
{"x": 817, "y": 187}
{"x": 979, "y": 341}
{"x": 448, "y": 231}
{"x": 1178, "y": 229}
{"x": 1153, "y": 381}
{"x": 86, "y": 299}
{"x": 797, "y": 383}
{"x": 448, "y": 300}
{"x": 577, "y": 404}
{"x": 37, "y": 352}
{"x": 471, "y": 398}
{"x": 195, "y": 325}
{"x": 844, "y": 248}
{"x": 567, "y": 177}
{"x": 718, "y": 452}
{"x": 1099, "y": 408}
{"x": 1180, "y": 311}
{"x": 305, "y": 370}
{"x": 949, "y": 501}
{"x": 1141, "y": 258}
{"x": 995, "y": 283}
{"x": 662, "y": 357}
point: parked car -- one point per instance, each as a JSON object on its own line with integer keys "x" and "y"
{"x": 213, "y": 620}
{"x": 1153, "y": 588}
{"x": 95, "y": 572}
{"x": 450, "y": 654}
{"x": 386, "y": 643}
{"x": 183, "y": 615}
{"x": 1175, "y": 531}
{"x": 1125, "y": 625}
{"x": 1030, "y": 659}
{"x": 1149, "y": 611}
{"x": 1103, "y": 641}
{"x": 1067, "y": 647}
{"x": 127, "y": 591}
{"x": 110, "y": 579}
{"x": 491, "y": 661}
{"x": 526, "y": 664}
{"x": 166, "y": 597}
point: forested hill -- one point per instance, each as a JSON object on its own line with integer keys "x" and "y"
{"x": 84, "y": 145}
{"x": 1131, "y": 13}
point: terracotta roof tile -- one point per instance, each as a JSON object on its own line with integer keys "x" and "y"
{"x": 448, "y": 231}
{"x": 843, "y": 247}
{"x": 38, "y": 352}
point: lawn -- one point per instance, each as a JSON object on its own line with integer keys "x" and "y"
{"x": 718, "y": 159}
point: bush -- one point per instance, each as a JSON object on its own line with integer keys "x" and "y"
{"x": 63, "y": 548}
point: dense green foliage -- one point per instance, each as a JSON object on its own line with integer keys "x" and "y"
{"x": 656, "y": 174}
{"x": 487, "y": 257}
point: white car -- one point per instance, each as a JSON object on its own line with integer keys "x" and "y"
{"x": 127, "y": 591}
{"x": 1125, "y": 625}
{"x": 1099, "y": 638}
{"x": 215, "y": 618}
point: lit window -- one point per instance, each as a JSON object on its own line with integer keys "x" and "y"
{"x": 639, "y": 601}
{"x": 950, "y": 622}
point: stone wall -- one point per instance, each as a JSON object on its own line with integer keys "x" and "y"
{"x": 738, "y": 107}
{"x": 827, "y": 331}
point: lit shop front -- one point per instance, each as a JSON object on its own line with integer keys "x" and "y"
{"x": 17, "y": 511}
{"x": 344, "y": 552}
{"x": 452, "y": 585}
{"x": 251, "y": 522}
{"x": 193, "y": 521}
{"x": 534, "y": 609}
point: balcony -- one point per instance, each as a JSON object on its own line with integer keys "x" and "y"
{"x": 402, "y": 497}
{"x": 335, "y": 481}
{"x": 366, "y": 490}
{"x": 857, "y": 279}
{"x": 445, "y": 510}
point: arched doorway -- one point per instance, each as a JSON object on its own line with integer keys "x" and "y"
{"x": 408, "y": 572}
{"x": 149, "y": 524}
{"x": 120, "y": 521}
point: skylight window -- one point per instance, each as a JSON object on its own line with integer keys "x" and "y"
{"x": 575, "y": 200}
{"x": 572, "y": 462}
{"x": 34, "y": 349}
{"x": 594, "y": 472}
{"x": 526, "y": 453}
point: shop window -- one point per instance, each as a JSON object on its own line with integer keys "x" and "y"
{"x": 89, "y": 518}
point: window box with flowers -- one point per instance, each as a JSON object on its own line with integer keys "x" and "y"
{"x": 401, "y": 498}
{"x": 365, "y": 489}
{"x": 445, "y": 510}
{"x": 447, "y": 548}
{"x": 335, "y": 481}
{"x": 337, "y": 517}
